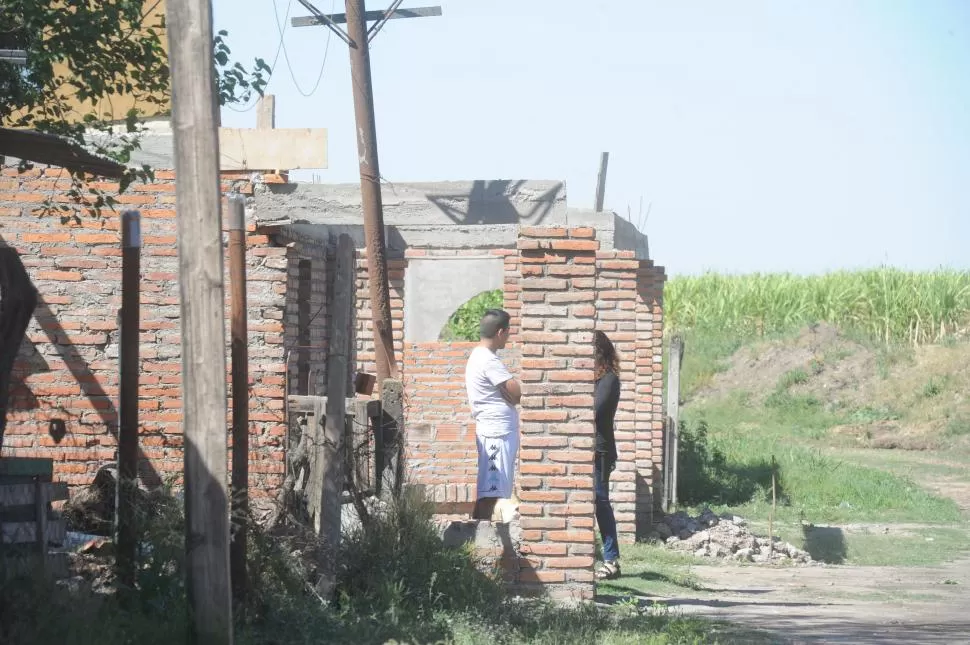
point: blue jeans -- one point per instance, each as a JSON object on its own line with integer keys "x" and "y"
{"x": 604, "y": 515}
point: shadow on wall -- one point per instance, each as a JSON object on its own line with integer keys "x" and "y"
{"x": 30, "y": 361}
{"x": 489, "y": 203}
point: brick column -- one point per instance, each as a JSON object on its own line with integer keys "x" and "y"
{"x": 616, "y": 316}
{"x": 556, "y": 462}
{"x": 649, "y": 390}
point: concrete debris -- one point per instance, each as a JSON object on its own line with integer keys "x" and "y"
{"x": 725, "y": 537}
{"x": 350, "y": 518}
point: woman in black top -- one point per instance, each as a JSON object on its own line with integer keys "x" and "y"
{"x": 606, "y": 396}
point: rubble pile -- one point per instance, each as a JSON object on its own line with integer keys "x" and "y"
{"x": 724, "y": 537}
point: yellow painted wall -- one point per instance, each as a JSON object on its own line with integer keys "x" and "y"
{"x": 118, "y": 105}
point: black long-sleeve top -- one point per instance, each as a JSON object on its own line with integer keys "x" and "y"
{"x": 606, "y": 396}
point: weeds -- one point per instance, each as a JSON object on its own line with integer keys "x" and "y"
{"x": 396, "y": 582}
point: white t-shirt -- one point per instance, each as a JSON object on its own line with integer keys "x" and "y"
{"x": 493, "y": 415}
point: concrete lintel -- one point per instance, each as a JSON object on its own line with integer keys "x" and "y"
{"x": 477, "y": 202}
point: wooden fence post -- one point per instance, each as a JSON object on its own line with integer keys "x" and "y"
{"x": 195, "y": 113}
{"x": 673, "y": 409}
{"x": 391, "y": 432}
{"x": 240, "y": 396}
{"x": 127, "y": 484}
{"x": 331, "y": 451}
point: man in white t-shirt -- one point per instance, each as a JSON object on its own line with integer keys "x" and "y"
{"x": 493, "y": 395}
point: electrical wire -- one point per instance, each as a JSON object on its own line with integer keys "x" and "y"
{"x": 286, "y": 55}
{"x": 276, "y": 56}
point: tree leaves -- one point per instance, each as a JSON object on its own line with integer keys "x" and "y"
{"x": 112, "y": 49}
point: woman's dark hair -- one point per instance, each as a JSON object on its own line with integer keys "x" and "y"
{"x": 604, "y": 355}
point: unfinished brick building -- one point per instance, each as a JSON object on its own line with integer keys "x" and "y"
{"x": 564, "y": 272}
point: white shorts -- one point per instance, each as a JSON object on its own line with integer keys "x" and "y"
{"x": 496, "y": 464}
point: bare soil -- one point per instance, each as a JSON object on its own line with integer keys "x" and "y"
{"x": 841, "y": 604}
{"x": 912, "y": 399}
{"x": 834, "y": 365}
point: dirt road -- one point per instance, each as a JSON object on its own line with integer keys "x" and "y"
{"x": 843, "y": 604}
{"x": 838, "y": 604}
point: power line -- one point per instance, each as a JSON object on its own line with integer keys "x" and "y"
{"x": 286, "y": 55}
{"x": 281, "y": 48}
{"x": 276, "y": 57}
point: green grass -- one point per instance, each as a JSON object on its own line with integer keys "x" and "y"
{"x": 885, "y": 303}
{"x": 870, "y": 546}
{"x": 732, "y": 469}
{"x": 651, "y": 570}
{"x": 811, "y": 482}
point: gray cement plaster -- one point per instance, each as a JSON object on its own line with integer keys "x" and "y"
{"x": 435, "y": 287}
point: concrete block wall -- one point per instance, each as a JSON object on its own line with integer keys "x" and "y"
{"x": 557, "y": 411}
{"x": 67, "y": 369}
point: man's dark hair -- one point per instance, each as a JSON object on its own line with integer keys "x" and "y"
{"x": 494, "y": 321}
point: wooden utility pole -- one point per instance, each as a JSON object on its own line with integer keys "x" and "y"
{"x": 240, "y": 395}
{"x": 357, "y": 38}
{"x": 601, "y": 182}
{"x": 128, "y": 396}
{"x": 201, "y": 285}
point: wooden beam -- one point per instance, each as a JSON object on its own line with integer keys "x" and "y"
{"x": 26, "y": 532}
{"x": 202, "y": 293}
{"x": 306, "y": 404}
{"x": 277, "y": 149}
{"x": 24, "y": 494}
{"x": 341, "y": 18}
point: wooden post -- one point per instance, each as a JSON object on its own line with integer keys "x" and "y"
{"x": 391, "y": 431}
{"x": 673, "y": 409}
{"x": 40, "y": 512}
{"x": 201, "y": 285}
{"x": 240, "y": 395}
{"x": 601, "y": 182}
{"x": 337, "y": 377}
{"x": 266, "y": 112}
{"x": 128, "y": 396}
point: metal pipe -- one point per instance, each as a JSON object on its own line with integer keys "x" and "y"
{"x": 240, "y": 394}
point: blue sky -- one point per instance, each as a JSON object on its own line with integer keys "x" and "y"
{"x": 764, "y": 135}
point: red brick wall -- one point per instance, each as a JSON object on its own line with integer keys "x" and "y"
{"x": 363, "y": 328}
{"x": 440, "y": 432}
{"x": 68, "y": 367}
{"x": 649, "y": 392}
{"x": 557, "y": 410}
{"x": 616, "y": 290}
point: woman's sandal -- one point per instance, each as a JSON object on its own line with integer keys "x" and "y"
{"x": 609, "y": 570}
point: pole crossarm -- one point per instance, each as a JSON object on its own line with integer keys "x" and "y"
{"x": 332, "y": 20}
{"x": 320, "y": 18}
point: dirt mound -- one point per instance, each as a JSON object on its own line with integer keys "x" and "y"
{"x": 820, "y": 360}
